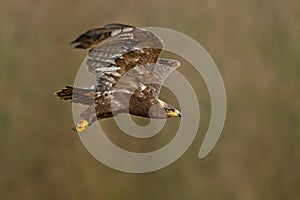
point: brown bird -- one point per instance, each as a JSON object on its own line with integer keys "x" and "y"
{"x": 129, "y": 75}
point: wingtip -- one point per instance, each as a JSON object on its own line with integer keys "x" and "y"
{"x": 77, "y": 44}
{"x": 74, "y": 41}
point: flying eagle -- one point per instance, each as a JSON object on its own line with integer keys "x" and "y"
{"x": 129, "y": 75}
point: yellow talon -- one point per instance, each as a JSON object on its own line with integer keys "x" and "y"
{"x": 81, "y": 126}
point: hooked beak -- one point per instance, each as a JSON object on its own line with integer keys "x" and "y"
{"x": 176, "y": 113}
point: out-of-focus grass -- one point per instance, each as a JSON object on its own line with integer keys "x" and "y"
{"x": 254, "y": 43}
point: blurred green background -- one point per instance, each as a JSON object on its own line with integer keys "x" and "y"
{"x": 256, "y": 47}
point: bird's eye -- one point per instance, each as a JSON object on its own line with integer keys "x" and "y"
{"x": 170, "y": 110}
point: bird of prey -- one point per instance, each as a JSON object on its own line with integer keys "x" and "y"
{"x": 128, "y": 75}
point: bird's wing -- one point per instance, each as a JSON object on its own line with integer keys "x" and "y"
{"x": 92, "y": 37}
{"x": 125, "y": 57}
{"x": 148, "y": 76}
{"x": 115, "y": 49}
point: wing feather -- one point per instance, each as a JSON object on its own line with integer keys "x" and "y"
{"x": 126, "y": 58}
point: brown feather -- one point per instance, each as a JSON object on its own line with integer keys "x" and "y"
{"x": 125, "y": 61}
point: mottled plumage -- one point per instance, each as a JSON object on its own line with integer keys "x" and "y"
{"x": 129, "y": 74}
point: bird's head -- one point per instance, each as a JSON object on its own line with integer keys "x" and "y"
{"x": 172, "y": 112}
{"x": 163, "y": 110}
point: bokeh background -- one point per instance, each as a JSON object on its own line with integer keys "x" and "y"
{"x": 256, "y": 47}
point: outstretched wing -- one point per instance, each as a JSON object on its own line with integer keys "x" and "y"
{"x": 148, "y": 76}
{"x": 128, "y": 53}
{"x": 162, "y": 69}
{"x": 91, "y": 38}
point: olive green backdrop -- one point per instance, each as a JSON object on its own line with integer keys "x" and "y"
{"x": 256, "y": 47}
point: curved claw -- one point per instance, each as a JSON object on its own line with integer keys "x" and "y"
{"x": 81, "y": 126}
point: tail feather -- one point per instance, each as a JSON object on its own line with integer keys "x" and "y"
{"x": 65, "y": 93}
{"x": 84, "y": 96}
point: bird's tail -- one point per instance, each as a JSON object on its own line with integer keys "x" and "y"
{"x": 84, "y": 96}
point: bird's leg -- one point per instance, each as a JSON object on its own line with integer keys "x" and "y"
{"x": 81, "y": 125}
{"x": 87, "y": 118}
